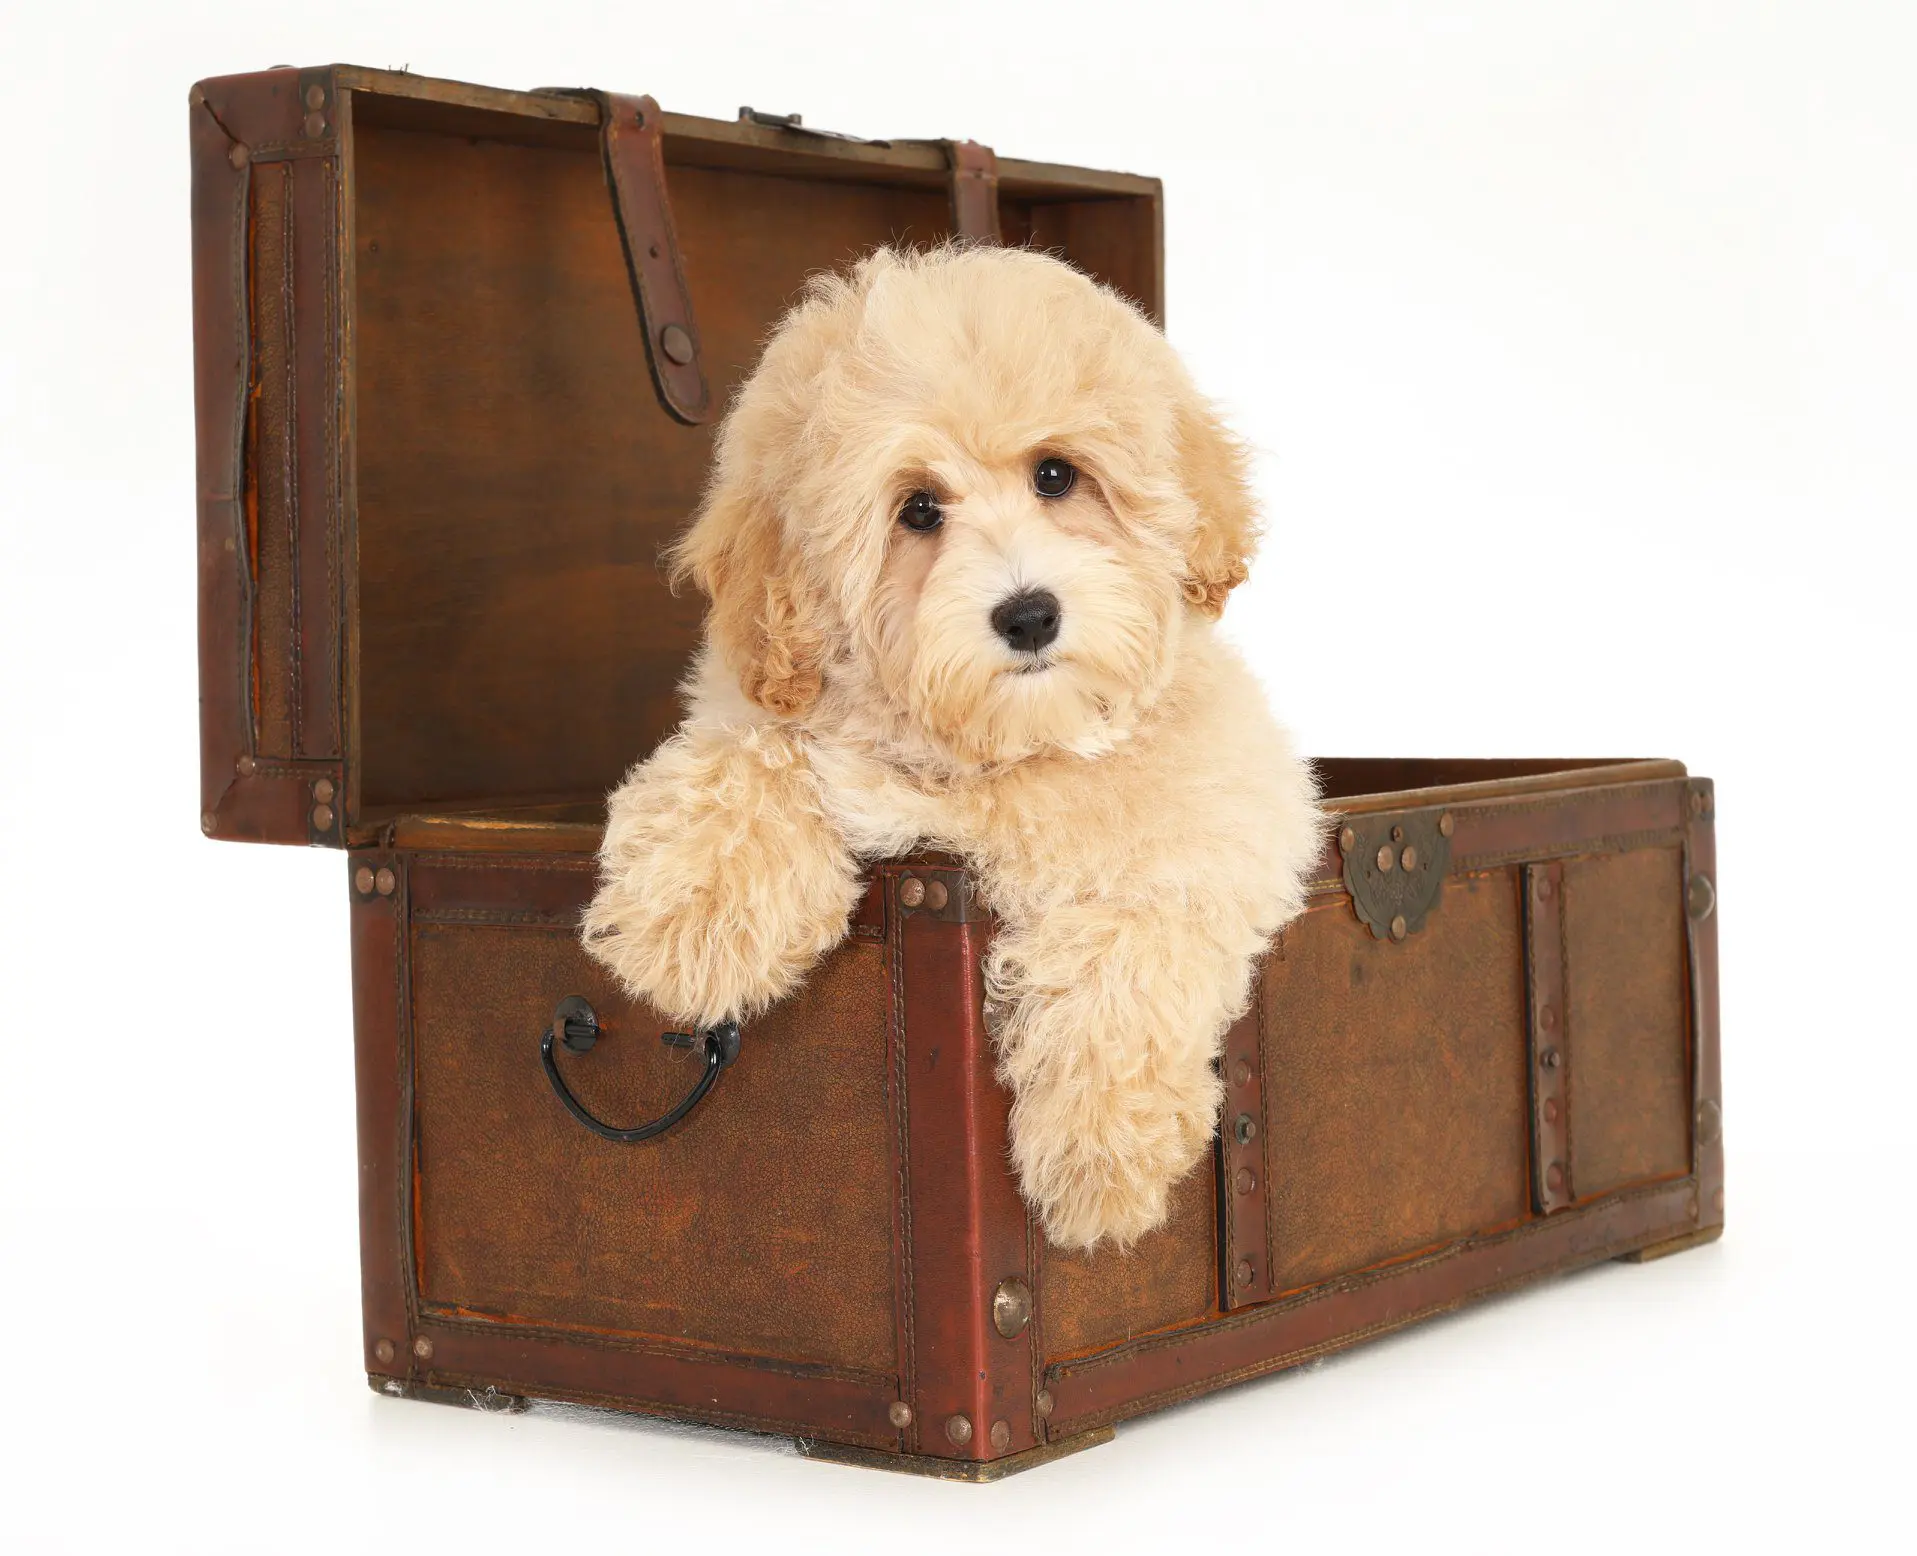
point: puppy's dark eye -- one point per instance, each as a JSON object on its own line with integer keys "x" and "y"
{"x": 921, "y": 512}
{"x": 1053, "y": 478}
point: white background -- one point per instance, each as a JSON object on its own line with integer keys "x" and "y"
{"x": 1579, "y": 344}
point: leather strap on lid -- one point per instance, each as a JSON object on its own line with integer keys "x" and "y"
{"x": 629, "y": 135}
{"x": 974, "y": 190}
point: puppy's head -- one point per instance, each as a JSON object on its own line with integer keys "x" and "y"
{"x": 976, "y": 492}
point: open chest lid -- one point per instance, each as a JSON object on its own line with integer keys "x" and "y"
{"x": 458, "y": 357}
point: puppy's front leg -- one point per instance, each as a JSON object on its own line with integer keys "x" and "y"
{"x": 1111, "y": 1017}
{"x": 721, "y": 881}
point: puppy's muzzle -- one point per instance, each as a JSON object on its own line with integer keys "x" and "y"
{"x": 1028, "y": 621}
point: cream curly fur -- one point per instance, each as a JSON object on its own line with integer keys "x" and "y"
{"x": 1136, "y": 819}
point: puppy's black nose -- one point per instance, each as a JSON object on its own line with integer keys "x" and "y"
{"x": 1028, "y": 621}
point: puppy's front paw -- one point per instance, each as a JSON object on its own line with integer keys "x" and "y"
{"x": 721, "y": 883}
{"x": 1099, "y": 1161}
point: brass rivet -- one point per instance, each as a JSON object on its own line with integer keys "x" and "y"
{"x": 383, "y": 1351}
{"x": 1247, "y": 1180}
{"x": 314, "y": 124}
{"x": 363, "y": 880}
{"x": 1549, "y": 1058}
{"x": 1011, "y": 1307}
{"x": 1697, "y": 802}
{"x": 1691, "y": 1208}
{"x": 246, "y": 767}
{"x": 1548, "y": 1017}
{"x": 386, "y": 881}
{"x": 322, "y": 818}
{"x": 323, "y": 791}
{"x": 1701, "y": 896}
{"x": 1551, "y": 1110}
{"x": 676, "y": 343}
{"x": 1409, "y": 858}
{"x": 1246, "y": 1129}
{"x": 1717, "y": 1202}
{"x": 1397, "y": 834}
{"x": 1399, "y": 929}
{"x": 207, "y": 822}
{"x": 1001, "y": 1436}
{"x": 911, "y": 891}
{"x": 1348, "y": 839}
{"x": 1245, "y": 1272}
{"x": 1710, "y": 1121}
{"x": 423, "y": 1348}
{"x": 1554, "y": 1176}
{"x": 1243, "y": 1072}
{"x": 237, "y": 155}
{"x": 316, "y": 96}
{"x": 959, "y": 1429}
{"x": 1446, "y": 824}
{"x": 1387, "y": 857}
{"x": 935, "y": 895}
{"x": 899, "y": 1413}
{"x": 1044, "y": 1404}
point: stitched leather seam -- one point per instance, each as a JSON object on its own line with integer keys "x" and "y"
{"x": 537, "y": 863}
{"x": 1564, "y": 799}
{"x": 1608, "y": 843}
{"x": 630, "y": 1404}
{"x": 1289, "y": 1359}
{"x": 908, "y": 1350}
{"x": 1342, "y": 1285}
{"x": 334, "y": 353}
{"x": 643, "y": 1345}
{"x": 290, "y": 457}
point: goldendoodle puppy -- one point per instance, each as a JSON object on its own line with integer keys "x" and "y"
{"x": 967, "y": 531}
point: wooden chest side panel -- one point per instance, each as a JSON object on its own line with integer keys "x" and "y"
{"x": 1396, "y": 1082}
{"x": 1626, "y": 1027}
{"x": 1168, "y": 1278}
{"x": 762, "y": 1225}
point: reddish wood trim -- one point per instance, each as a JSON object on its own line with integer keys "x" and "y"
{"x": 1146, "y": 1375}
{"x": 1547, "y": 1029}
{"x": 967, "y": 1225}
{"x": 1508, "y": 788}
{"x": 1245, "y": 1243}
{"x": 383, "y": 1085}
{"x": 685, "y": 1386}
{"x": 1707, "y": 1086}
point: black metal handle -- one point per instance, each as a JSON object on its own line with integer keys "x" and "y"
{"x": 576, "y": 1025}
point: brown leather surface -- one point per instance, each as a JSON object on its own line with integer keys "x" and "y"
{"x": 1553, "y": 1181}
{"x": 761, "y": 1225}
{"x": 974, "y": 190}
{"x": 965, "y": 1228}
{"x": 383, "y": 1088}
{"x": 1626, "y": 979}
{"x": 1615, "y": 816}
{"x": 435, "y": 601}
{"x": 1396, "y": 1094}
{"x": 266, "y": 340}
{"x": 271, "y": 480}
{"x": 631, "y": 135}
{"x": 1160, "y": 1371}
{"x": 1118, "y": 240}
{"x": 1169, "y": 1278}
{"x": 677, "y": 1383}
{"x": 1707, "y": 1085}
{"x": 1245, "y": 1269}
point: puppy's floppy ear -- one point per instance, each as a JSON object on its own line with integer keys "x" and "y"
{"x": 1214, "y": 469}
{"x": 763, "y": 620}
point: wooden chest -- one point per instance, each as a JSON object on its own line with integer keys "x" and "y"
{"x": 458, "y": 353}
